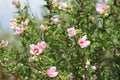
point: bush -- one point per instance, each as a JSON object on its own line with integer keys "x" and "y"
{"x": 77, "y": 40}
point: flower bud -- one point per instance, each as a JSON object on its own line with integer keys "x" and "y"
{"x": 31, "y": 59}
{"x": 6, "y": 60}
{"x": 94, "y": 68}
{"x": 15, "y": 2}
{"x": 91, "y": 18}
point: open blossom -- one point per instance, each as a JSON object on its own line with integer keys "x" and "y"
{"x": 71, "y": 32}
{"x": 15, "y": 2}
{"x": 18, "y": 30}
{"x": 42, "y": 45}
{"x": 51, "y": 72}
{"x": 82, "y": 42}
{"x": 62, "y": 5}
{"x": 100, "y": 8}
{"x": 35, "y": 50}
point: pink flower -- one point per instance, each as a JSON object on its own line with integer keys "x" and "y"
{"x": 54, "y": 20}
{"x": 42, "y": 45}
{"x": 62, "y": 5}
{"x": 71, "y": 32}
{"x": 15, "y": 2}
{"x": 51, "y": 72}
{"x": 100, "y": 8}
{"x": 82, "y": 42}
{"x": 35, "y": 50}
{"x": 19, "y": 30}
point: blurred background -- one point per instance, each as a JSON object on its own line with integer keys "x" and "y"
{"x": 7, "y": 10}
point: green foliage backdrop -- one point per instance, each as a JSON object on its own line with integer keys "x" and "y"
{"x": 97, "y": 60}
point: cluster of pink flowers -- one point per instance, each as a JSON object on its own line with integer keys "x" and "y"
{"x": 100, "y": 8}
{"x": 18, "y": 29}
{"x": 82, "y": 42}
{"x": 51, "y": 72}
{"x": 38, "y": 49}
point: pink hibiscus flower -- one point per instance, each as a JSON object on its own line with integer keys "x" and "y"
{"x": 35, "y": 50}
{"x": 51, "y": 72}
{"x": 71, "y": 32}
{"x": 100, "y": 8}
{"x": 82, "y": 42}
{"x": 42, "y": 45}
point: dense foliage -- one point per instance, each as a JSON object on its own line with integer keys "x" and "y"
{"x": 77, "y": 40}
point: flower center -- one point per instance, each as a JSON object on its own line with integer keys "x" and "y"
{"x": 81, "y": 42}
{"x": 36, "y": 50}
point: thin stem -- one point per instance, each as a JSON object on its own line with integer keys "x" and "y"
{"x": 30, "y": 9}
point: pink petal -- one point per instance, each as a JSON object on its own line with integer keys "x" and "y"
{"x": 42, "y": 45}
{"x": 87, "y": 43}
{"x": 32, "y": 46}
{"x": 51, "y": 69}
{"x": 19, "y": 30}
{"x": 84, "y": 37}
{"x": 53, "y": 74}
